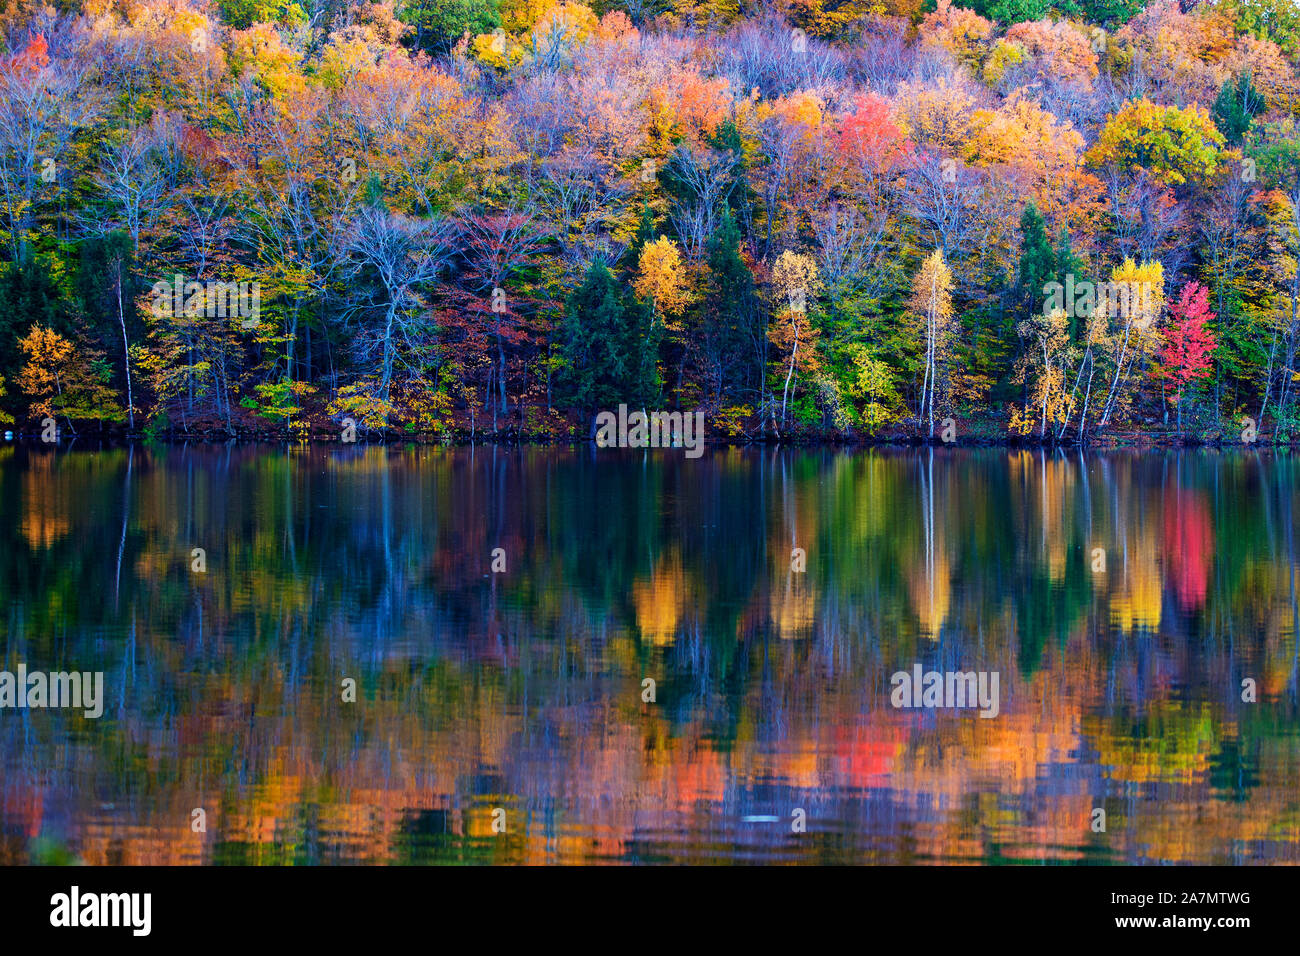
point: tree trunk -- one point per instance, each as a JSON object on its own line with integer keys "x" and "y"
{"x": 785, "y": 392}
{"x": 126, "y": 355}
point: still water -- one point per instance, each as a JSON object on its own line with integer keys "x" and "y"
{"x": 1122, "y": 599}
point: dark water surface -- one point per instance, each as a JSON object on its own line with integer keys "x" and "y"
{"x": 1121, "y": 688}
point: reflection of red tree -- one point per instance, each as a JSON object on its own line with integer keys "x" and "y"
{"x": 1189, "y": 542}
{"x": 865, "y": 753}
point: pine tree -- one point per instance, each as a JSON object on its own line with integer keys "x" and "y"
{"x": 609, "y": 347}
{"x": 1037, "y": 260}
{"x": 646, "y": 233}
{"x": 1235, "y": 107}
{"x": 733, "y": 338}
{"x": 29, "y": 296}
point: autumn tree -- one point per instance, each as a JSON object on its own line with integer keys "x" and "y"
{"x": 1173, "y": 144}
{"x": 660, "y": 278}
{"x": 1133, "y": 301}
{"x": 1044, "y": 370}
{"x": 1189, "y": 342}
{"x": 931, "y": 303}
{"x": 43, "y": 102}
{"x": 66, "y": 378}
{"x": 795, "y": 284}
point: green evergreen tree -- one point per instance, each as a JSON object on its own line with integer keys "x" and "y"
{"x": 1011, "y": 11}
{"x": 1037, "y": 260}
{"x": 439, "y": 24}
{"x": 28, "y": 296}
{"x": 1113, "y": 12}
{"x": 1067, "y": 263}
{"x": 608, "y": 347}
{"x": 733, "y": 337}
{"x": 1235, "y": 107}
{"x": 105, "y": 290}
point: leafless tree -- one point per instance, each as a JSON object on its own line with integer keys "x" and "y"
{"x": 849, "y": 249}
{"x": 581, "y": 197}
{"x": 42, "y": 105}
{"x": 707, "y": 176}
{"x": 497, "y": 247}
{"x": 776, "y": 59}
{"x": 403, "y": 254}
{"x": 944, "y": 196}
{"x": 131, "y": 181}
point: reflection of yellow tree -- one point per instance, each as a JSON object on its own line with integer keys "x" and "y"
{"x": 45, "y": 513}
{"x": 792, "y": 606}
{"x": 1176, "y": 748}
{"x": 1048, "y": 482}
{"x": 1136, "y": 600}
{"x": 931, "y": 595}
{"x": 658, "y": 601}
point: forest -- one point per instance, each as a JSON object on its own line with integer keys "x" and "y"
{"x": 810, "y": 220}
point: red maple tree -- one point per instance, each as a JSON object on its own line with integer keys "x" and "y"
{"x": 869, "y": 137}
{"x": 1189, "y": 342}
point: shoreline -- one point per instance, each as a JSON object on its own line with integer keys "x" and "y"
{"x": 1110, "y": 443}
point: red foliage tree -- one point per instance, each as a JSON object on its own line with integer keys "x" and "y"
{"x": 1189, "y": 342}
{"x": 870, "y": 139}
{"x": 34, "y": 57}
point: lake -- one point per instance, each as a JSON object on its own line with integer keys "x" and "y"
{"x": 318, "y": 655}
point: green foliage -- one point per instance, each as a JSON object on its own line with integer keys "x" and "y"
{"x": 1276, "y": 20}
{"x": 1009, "y": 11}
{"x": 1037, "y": 259}
{"x": 105, "y": 289}
{"x": 440, "y": 23}
{"x": 28, "y": 296}
{"x": 1112, "y": 12}
{"x": 1235, "y": 107}
{"x": 242, "y": 14}
{"x": 645, "y": 233}
{"x": 731, "y": 310}
{"x": 608, "y": 346}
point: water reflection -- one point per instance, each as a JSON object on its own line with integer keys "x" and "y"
{"x": 1122, "y": 598}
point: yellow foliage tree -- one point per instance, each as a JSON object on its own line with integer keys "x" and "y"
{"x": 661, "y": 278}
{"x": 1132, "y": 301}
{"x": 795, "y": 283}
{"x": 1044, "y": 369}
{"x": 66, "y": 378}
{"x": 931, "y": 303}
